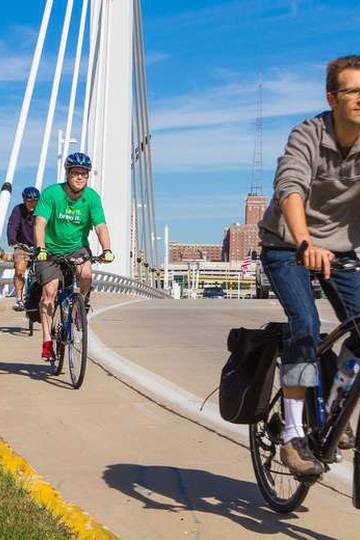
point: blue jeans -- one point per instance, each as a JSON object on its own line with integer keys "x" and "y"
{"x": 292, "y": 285}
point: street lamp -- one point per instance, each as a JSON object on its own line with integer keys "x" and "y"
{"x": 60, "y": 157}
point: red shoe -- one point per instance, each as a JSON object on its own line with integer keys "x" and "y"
{"x": 47, "y": 351}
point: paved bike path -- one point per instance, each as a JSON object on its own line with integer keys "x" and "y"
{"x": 139, "y": 469}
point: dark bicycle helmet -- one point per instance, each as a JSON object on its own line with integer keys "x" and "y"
{"x": 78, "y": 160}
{"x": 31, "y": 193}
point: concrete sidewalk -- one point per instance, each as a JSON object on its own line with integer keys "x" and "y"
{"x": 144, "y": 472}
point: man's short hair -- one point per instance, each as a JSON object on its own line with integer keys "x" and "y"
{"x": 335, "y": 67}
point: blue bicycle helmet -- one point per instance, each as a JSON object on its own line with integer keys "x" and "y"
{"x": 31, "y": 193}
{"x": 78, "y": 160}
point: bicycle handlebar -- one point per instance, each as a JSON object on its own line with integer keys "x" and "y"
{"x": 339, "y": 263}
{"x": 74, "y": 261}
{"x": 32, "y": 251}
{"x": 29, "y": 249}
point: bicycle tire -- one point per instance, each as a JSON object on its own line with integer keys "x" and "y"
{"x": 279, "y": 488}
{"x": 356, "y": 471}
{"x": 77, "y": 340}
{"x": 56, "y": 364}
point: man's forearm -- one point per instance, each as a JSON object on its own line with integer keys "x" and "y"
{"x": 103, "y": 235}
{"x": 39, "y": 232}
{"x": 294, "y": 213}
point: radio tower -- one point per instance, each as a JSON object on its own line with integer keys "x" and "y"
{"x": 256, "y": 202}
{"x": 257, "y": 163}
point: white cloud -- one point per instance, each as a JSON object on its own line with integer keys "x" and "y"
{"x": 283, "y": 94}
{"x": 216, "y": 128}
{"x": 154, "y": 57}
{"x": 202, "y": 206}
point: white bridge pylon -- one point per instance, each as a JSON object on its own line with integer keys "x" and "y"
{"x": 114, "y": 131}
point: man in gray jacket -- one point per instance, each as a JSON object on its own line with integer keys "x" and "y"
{"x": 316, "y": 199}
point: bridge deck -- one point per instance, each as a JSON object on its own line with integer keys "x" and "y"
{"x": 140, "y": 469}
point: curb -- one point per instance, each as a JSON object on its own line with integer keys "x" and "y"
{"x": 78, "y": 521}
{"x": 176, "y": 399}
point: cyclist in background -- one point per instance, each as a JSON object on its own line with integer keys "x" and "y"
{"x": 20, "y": 230}
{"x": 316, "y": 199}
{"x": 65, "y": 215}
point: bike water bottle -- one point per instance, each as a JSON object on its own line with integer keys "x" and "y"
{"x": 343, "y": 380}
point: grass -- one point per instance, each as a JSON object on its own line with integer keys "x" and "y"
{"x": 23, "y": 519}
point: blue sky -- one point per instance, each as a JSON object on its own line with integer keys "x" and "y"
{"x": 203, "y": 62}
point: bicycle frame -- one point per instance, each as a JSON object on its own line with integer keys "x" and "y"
{"x": 64, "y": 299}
{"x": 330, "y": 433}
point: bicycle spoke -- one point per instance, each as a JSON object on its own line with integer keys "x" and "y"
{"x": 58, "y": 341}
{"x": 77, "y": 341}
{"x": 278, "y": 486}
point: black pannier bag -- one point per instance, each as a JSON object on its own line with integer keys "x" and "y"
{"x": 247, "y": 377}
{"x": 32, "y": 301}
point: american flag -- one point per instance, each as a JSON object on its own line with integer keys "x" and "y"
{"x": 245, "y": 263}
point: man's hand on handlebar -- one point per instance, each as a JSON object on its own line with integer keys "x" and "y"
{"x": 315, "y": 258}
{"x": 107, "y": 256}
{"x": 41, "y": 255}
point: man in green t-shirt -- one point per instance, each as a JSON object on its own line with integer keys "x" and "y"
{"x": 65, "y": 215}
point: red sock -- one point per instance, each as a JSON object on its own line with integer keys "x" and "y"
{"x": 47, "y": 350}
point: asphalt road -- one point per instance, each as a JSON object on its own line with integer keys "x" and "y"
{"x": 144, "y": 471}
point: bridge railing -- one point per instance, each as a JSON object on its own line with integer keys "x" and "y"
{"x": 102, "y": 282}
{"x": 108, "y": 282}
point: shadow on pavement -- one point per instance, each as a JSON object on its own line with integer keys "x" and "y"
{"x": 33, "y": 371}
{"x": 15, "y": 330}
{"x": 200, "y": 491}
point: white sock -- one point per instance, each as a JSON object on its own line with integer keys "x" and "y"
{"x": 293, "y": 419}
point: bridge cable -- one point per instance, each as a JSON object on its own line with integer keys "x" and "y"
{"x": 143, "y": 135}
{"x": 140, "y": 161}
{"x": 74, "y": 85}
{"x": 135, "y": 222}
{"x": 19, "y": 134}
{"x": 98, "y": 92}
{"x": 148, "y": 135}
{"x": 90, "y": 78}
{"x": 54, "y": 95}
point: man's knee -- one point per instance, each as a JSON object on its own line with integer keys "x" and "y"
{"x": 305, "y": 325}
{"x": 19, "y": 270}
{"x": 84, "y": 274}
{"x": 49, "y": 291}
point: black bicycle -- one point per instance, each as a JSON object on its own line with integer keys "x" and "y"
{"x": 69, "y": 322}
{"x": 31, "y": 312}
{"x": 283, "y": 492}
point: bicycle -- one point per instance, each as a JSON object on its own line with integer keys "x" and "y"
{"x": 30, "y": 313}
{"x": 69, "y": 321}
{"x": 282, "y": 491}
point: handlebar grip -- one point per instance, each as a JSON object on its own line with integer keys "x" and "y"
{"x": 300, "y": 251}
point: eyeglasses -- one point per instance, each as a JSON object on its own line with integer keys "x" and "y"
{"x": 84, "y": 174}
{"x": 351, "y": 93}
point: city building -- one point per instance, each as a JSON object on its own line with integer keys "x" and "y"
{"x": 255, "y": 207}
{"x": 241, "y": 239}
{"x": 179, "y": 252}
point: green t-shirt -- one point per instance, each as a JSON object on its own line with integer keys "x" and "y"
{"x": 68, "y": 222}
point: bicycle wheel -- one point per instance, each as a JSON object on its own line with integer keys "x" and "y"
{"x": 279, "y": 488}
{"x": 356, "y": 472}
{"x": 56, "y": 364}
{"x": 77, "y": 340}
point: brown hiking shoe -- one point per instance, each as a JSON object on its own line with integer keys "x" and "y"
{"x": 347, "y": 439}
{"x": 299, "y": 459}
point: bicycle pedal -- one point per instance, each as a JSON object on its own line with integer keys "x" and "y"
{"x": 309, "y": 480}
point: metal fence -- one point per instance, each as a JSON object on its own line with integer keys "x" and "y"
{"x": 102, "y": 282}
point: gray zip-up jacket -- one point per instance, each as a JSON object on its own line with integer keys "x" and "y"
{"x": 329, "y": 183}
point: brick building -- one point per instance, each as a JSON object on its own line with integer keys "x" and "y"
{"x": 241, "y": 238}
{"x": 179, "y": 252}
{"x": 255, "y": 207}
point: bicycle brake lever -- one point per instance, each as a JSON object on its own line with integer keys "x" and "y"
{"x": 300, "y": 251}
